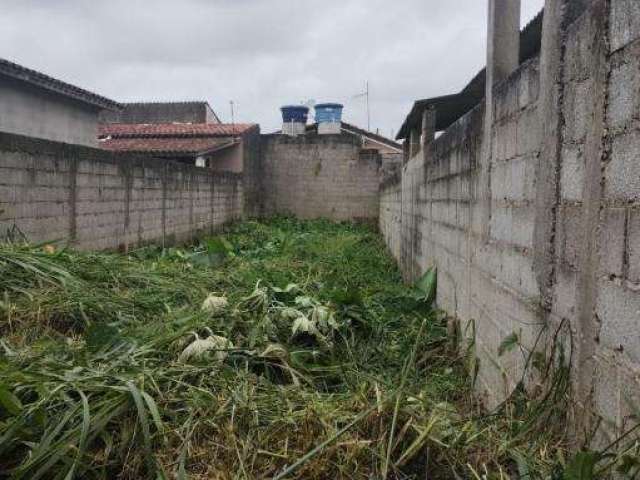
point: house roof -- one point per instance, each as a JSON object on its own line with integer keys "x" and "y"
{"x": 183, "y": 146}
{"x": 141, "y": 130}
{"x": 45, "y": 82}
{"x": 450, "y": 108}
{"x": 183, "y": 139}
{"x": 373, "y": 136}
{"x": 349, "y": 128}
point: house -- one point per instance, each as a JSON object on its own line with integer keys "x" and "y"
{"x": 219, "y": 146}
{"x": 162, "y": 112}
{"x": 37, "y": 105}
{"x": 370, "y": 140}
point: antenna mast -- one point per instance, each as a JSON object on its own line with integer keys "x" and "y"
{"x": 368, "y": 112}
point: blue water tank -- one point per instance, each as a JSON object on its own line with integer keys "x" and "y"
{"x": 329, "y": 112}
{"x": 294, "y": 113}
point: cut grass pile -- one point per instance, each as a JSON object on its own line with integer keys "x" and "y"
{"x": 317, "y": 363}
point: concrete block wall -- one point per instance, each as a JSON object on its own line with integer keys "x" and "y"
{"x": 313, "y": 176}
{"x": 391, "y": 214}
{"x": 599, "y": 207}
{"x": 100, "y": 200}
{"x": 535, "y": 223}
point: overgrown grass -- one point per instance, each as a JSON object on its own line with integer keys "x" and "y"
{"x": 322, "y": 365}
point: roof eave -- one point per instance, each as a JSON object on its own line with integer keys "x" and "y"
{"x": 45, "y": 82}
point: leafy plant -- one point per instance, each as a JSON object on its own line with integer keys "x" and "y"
{"x": 110, "y": 368}
{"x": 426, "y": 286}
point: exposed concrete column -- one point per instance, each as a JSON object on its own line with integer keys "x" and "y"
{"x": 406, "y": 150}
{"x": 550, "y": 102}
{"x": 428, "y": 126}
{"x": 558, "y": 14}
{"x": 415, "y": 141}
{"x": 428, "y": 130}
{"x": 503, "y": 55}
{"x": 503, "y": 40}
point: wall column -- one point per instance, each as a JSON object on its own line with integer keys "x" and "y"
{"x": 503, "y": 58}
{"x": 414, "y": 137}
{"x": 428, "y": 129}
{"x": 503, "y": 40}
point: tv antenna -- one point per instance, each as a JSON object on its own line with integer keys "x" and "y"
{"x": 365, "y": 94}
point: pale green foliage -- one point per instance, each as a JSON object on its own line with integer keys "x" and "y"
{"x": 201, "y": 347}
{"x": 214, "y": 304}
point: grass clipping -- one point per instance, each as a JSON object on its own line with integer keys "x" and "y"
{"x": 285, "y": 350}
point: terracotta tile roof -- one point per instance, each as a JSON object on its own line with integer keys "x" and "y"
{"x": 33, "y": 77}
{"x": 123, "y": 130}
{"x": 184, "y": 146}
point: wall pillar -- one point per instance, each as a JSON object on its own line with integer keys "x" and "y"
{"x": 503, "y": 58}
{"x": 414, "y": 137}
{"x": 428, "y": 128}
{"x": 503, "y": 40}
{"x": 406, "y": 150}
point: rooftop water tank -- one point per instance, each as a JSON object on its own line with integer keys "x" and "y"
{"x": 294, "y": 119}
{"x": 294, "y": 113}
{"x": 329, "y": 117}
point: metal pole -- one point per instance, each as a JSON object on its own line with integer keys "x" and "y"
{"x": 368, "y": 112}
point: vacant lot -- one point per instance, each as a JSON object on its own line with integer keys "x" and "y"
{"x": 281, "y": 349}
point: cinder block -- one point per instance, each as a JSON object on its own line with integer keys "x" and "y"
{"x": 633, "y": 242}
{"x": 572, "y": 173}
{"x": 607, "y": 393}
{"x": 624, "y": 93}
{"x": 578, "y": 57}
{"x": 529, "y": 132}
{"x": 622, "y": 174}
{"x": 501, "y": 223}
{"x": 618, "y": 309}
{"x": 570, "y": 236}
{"x": 611, "y": 245}
{"x": 625, "y": 22}
{"x": 564, "y": 294}
{"x": 523, "y": 219}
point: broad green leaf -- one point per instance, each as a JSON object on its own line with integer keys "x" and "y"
{"x": 508, "y": 343}
{"x": 144, "y": 423}
{"x": 427, "y": 286}
{"x": 582, "y": 466}
{"x": 84, "y": 433}
{"x": 9, "y": 401}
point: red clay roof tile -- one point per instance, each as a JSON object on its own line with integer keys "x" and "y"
{"x": 122, "y": 130}
{"x": 187, "y": 146}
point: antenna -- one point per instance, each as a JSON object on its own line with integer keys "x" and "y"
{"x": 366, "y": 87}
{"x": 233, "y": 121}
{"x": 366, "y": 95}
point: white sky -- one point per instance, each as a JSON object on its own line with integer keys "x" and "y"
{"x": 259, "y": 53}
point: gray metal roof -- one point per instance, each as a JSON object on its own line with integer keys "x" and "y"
{"x": 40, "y": 80}
{"x": 450, "y": 108}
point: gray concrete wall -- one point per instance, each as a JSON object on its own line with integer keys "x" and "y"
{"x": 162, "y": 112}
{"x": 534, "y": 221}
{"x": 314, "y": 176}
{"x": 30, "y": 111}
{"x": 95, "y": 199}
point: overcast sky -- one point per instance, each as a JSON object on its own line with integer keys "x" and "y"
{"x": 259, "y": 53}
